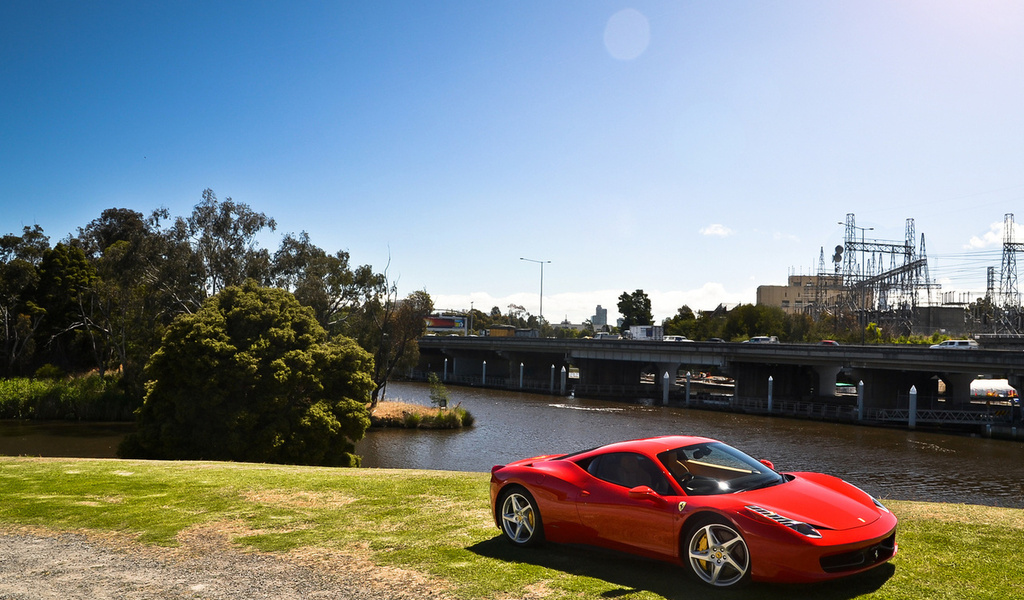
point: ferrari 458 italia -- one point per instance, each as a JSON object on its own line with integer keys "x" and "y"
{"x": 697, "y": 502}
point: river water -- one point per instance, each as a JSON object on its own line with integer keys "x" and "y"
{"x": 889, "y": 463}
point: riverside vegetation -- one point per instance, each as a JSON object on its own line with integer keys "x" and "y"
{"x": 50, "y": 396}
{"x": 416, "y": 416}
{"x": 438, "y": 525}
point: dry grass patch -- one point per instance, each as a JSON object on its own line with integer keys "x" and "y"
{"x": 413, "y": 416}
{"x": 300, "y": 499}
{"x": 391, "y": 414}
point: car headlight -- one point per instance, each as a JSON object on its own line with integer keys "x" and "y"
{"x": 797, "y": 526}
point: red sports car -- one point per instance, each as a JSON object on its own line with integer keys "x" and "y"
{"x": 699, "y": 503}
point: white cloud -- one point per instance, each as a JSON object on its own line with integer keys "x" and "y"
{"x": 716, "y": 229}
{"x": 994, "y": 236}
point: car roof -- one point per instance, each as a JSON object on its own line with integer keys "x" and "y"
{"x": 653, "y": 445}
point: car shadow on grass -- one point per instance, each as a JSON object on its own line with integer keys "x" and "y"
{"x": 628, "y": 574}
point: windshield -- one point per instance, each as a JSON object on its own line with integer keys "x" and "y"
{"x": 715, "y": 468}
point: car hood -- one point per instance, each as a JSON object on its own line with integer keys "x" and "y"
{"x": 820, "y": 500}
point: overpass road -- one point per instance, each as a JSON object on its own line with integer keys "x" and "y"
{"x": 797, "y": 371}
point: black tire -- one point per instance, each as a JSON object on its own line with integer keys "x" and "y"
{"x": 520, "y": 519}
{"x": 716, "y": 553}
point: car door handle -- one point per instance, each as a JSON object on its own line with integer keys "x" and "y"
{"x": 584, "y": 493}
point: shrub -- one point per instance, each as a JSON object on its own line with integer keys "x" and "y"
{"x": 252, "y": 377}
{"x": 87, "y": 398}
{"x": 412, "y": 420}
{"x": 454, "y": 418}
{"x": 438, "y": 392}
{"x": 49, "y": 371}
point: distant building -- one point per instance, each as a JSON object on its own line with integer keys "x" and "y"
{"x": 801, "y": 292}
{"x": 601, "y": 318}
{"x": 566, "y": 324}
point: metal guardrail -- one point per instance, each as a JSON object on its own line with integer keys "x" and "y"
{"x": 967, "y": 417}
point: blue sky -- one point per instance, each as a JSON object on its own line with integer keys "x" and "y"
{"x": 694, "y": 150}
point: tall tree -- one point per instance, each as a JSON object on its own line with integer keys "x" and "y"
{"x": 387, "y": 328}
{"x": 66, "y": 278}
{"x": 635, "y": 309}
{"x": 132, "y": 304}
{"x": 322, "y": 281}
{"x": 222, "y": 236}
{"x": 20, "y": 313}
{"x": 684, "y": 322}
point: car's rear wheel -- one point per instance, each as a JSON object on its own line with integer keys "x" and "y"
{"x": 717, "y": 554}
{"x": 520, "y": 519}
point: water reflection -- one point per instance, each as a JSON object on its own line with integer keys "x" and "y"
{"x": 889, "y": 463}
{"x": 62, "y": 439}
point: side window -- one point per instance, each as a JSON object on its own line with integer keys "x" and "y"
{"x": 629, "y": 470}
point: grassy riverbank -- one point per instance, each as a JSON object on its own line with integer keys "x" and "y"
{"x": 404, "y": 415}
{"x": 438, "y": 524}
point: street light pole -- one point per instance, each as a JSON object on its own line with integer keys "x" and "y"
{"x": 541, "y": 263}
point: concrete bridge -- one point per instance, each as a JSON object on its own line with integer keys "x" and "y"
{"x": 797, "y": 372}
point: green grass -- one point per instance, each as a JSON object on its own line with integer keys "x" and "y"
{"x": 439, "y": 523}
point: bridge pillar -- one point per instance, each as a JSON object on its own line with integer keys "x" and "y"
{"x": 788, "y": 381}
{"x": 881, "y": 390}
{"x": 958, "y": 387}
{"x": 827, "y": 380}
{"x": 609, "y": 372}
{"x": 672, "y": 369}
{"x": 888, "y": 389}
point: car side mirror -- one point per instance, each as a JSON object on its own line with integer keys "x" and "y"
{"x": 768, "y": 463}
{"x": 643, "y": 492}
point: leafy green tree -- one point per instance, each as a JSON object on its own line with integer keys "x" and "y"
{"x": 388, "y": 329}
{"x": 322, "y": 281}
{"x": 683, "y": 323}
{"x": 65, "y": 280}
{"x": 748, "y": 320}
{"x": 253, "y": 377}
{"x": 479, "y": 320}
{"x": 132, "y": 303}
{"x": 113, "y": 225}
{"x": 439, "y": 395}
{"x": 222, "y": 237}
{"x": 20, "y": 313}
{"x": 635, "y": 309}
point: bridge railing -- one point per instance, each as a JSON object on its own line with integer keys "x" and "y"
{"x": 542, "y": 386}
{"x": 968, "y": 417}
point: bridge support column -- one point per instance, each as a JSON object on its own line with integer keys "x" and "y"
{"x": 609, "y": 372}
{"x": 788, "y": 381}
{"x": 958, "y": 388}
{"x": 827, "y": 380}
{"x": 673, "y": 372}
{"x": 887, "y": 389}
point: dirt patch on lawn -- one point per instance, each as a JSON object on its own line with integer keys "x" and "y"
{"x": 42, "y": 564}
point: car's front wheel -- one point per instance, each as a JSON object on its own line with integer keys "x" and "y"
{"x": 520, "y": 519}
{"x": 717, "y": 554}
